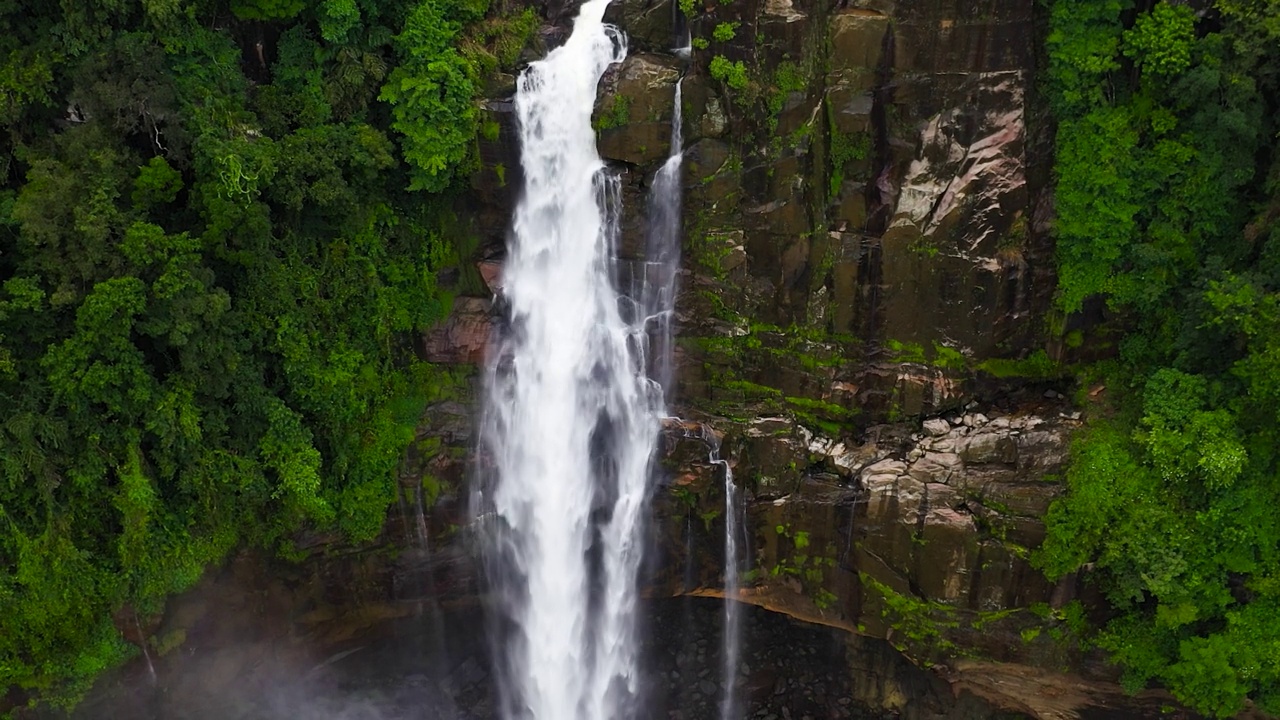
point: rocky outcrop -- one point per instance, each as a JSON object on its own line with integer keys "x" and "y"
{"x": 917, "y": 533}
{"x": 944, "y": 516}
{"x": 635, "y": 108}
{"x": 463, "y": 337}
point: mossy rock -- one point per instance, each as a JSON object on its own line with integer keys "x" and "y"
{"x": 635, "y": 108}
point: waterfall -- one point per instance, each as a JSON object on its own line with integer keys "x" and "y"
{"x": 732, "y": 631}
{"x": 662, "y": 254}
{"x": 732, "y": 608}
{"x": 571, "y": 420}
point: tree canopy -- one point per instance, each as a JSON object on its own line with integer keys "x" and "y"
{"x": 1168, "y": 197}
{"x": 221, "y": 227}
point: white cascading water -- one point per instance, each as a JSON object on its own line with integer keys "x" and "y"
{"x": 732, "y": 631}
{"x": 732, "y": 589}
{"x": 571, "y": 419}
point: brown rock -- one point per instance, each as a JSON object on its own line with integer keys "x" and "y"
{"x": 634, "y": 110}
{"x": 994, "y": 447}
{"x": 935, "y": 467}
{"x": 463, "y": 337}
{"x": 948, "y": 556}
{"x": 857, "y": 40}
{"x": 491, "y": 273}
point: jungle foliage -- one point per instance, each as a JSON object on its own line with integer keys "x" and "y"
{"x": 1168, "y": 201}
{"x": 221, "y": 227}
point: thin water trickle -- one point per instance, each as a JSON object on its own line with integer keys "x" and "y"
{"x": 734, "y": 550}
{"x": 731, "y": 649}
{"x": 571, "y": 419}
{"x": 732, "y": 607}
{"x": 662, "y": 255}
{"x": 142, "y": 642}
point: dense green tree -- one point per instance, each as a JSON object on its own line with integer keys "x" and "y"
{"x": 1166, "y": 142}
{"x": 430, "y": 91}
{"x": 214, "y": 258}
{"x": 1160, "y": 41}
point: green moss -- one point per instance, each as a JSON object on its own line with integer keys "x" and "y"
{"x": 1038, "y": 365}
{"x": 718, "y": 308}
{"x": 787, "y": 78}
{"x": 797, "y": 559}
{"x": 513, "y": 36}
{"x": 925, "y": 246}
{"x": 751, "y": 389}
{"x": 909, "y": 352}
{"x": 495, "y": 43}
{"x": 708, "y": 517}
{"x": 685, "y": 497}
{"x": 800, "y": 134}
{"x": 986, "y": 618}
{"x": 828, "y": 417}
{"x": 949, "y": 358}
{"x": 918, "y": 621}
{"x": 824, "y": 598}
{"x": 617, "y": 115}
{"x": 709, "y": 250}
{"x": 842, "y": 151}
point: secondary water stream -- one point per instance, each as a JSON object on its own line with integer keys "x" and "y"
{"x": 732, "y": 629}
{"x": 662, "y": 256}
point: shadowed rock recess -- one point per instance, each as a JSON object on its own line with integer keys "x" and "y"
{"x": 861, "y": 322}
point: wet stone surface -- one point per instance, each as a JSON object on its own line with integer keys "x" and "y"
{"x": 787, "y": 670}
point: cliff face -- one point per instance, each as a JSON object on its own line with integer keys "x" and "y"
{"x": 865, "y": 184}
{"x": 861, "y": 317}
{"x": 873, "y": 172}
{"x": 864, "y": 213}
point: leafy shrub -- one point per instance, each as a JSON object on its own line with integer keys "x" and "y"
{"x": 724, "y": 32}
{"x": 733, "y": 74}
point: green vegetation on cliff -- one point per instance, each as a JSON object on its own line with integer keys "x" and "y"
{"x": 212, "y": 270}
{"x": 1168, "y": 196}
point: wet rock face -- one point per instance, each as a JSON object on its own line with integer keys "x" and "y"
{"x": 463, "y": 338}
{"x": 864, "y": 224}
{"x": 917, "y": 533}
{"x": 650, "y": 24}
{"x": 943, "y": 514}
{"x": 634, "y": 110}
{"x": 876, "y": 170}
